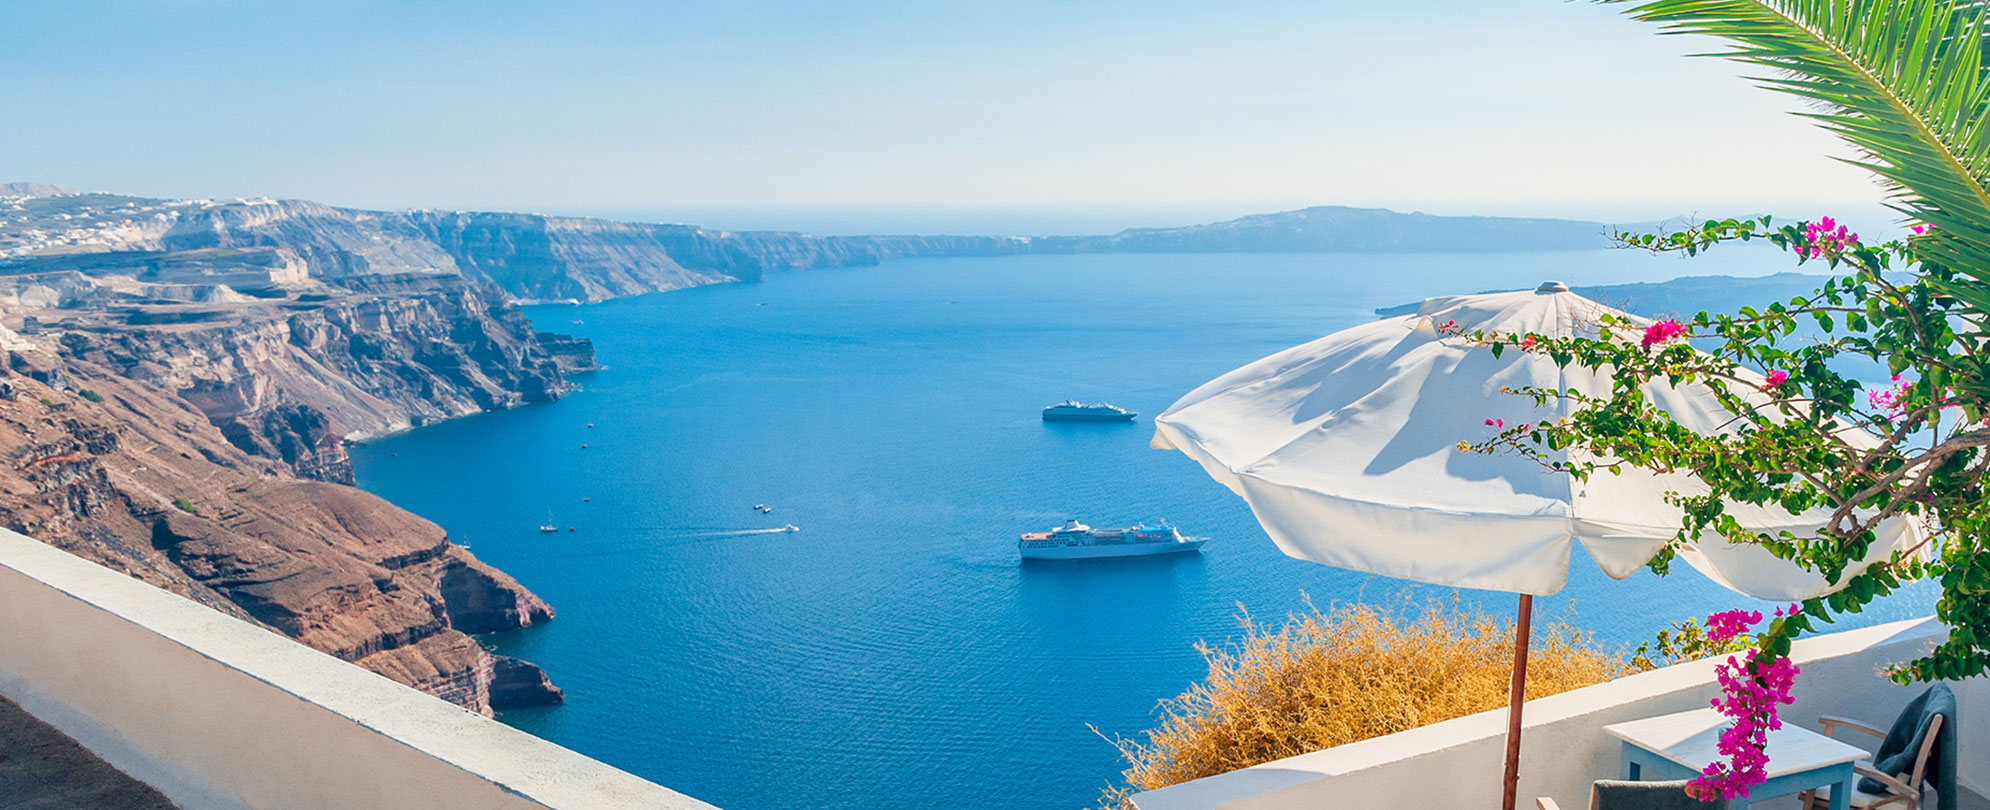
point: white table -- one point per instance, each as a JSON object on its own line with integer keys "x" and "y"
{"x": 1679, "y": 746}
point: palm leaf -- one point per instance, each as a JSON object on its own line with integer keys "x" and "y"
{"x": 1906, "y": 82}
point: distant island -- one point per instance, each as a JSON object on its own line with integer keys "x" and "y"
{"x": 1681, "y": 297}
{"x": 186, "y": 375}
{"x": 535, "y": 257}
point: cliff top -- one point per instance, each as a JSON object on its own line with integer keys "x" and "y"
{"x": 26, "y": 189}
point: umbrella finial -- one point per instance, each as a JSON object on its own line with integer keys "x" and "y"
{"x": 1551, "y": 287}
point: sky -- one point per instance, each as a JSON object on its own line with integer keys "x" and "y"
{"x": 1090, "y": 115}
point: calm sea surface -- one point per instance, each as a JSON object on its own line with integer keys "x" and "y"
{"x": 894, "y": 653}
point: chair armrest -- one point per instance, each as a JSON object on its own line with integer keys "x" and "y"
{"x": 1545, "y": 803}
{"x": 1892, "y": 783}
{"x": 1832, "y": 723}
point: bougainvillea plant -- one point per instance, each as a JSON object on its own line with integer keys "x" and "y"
{"x": 1905, "y": 84}
{"x": 1806, "y": 434}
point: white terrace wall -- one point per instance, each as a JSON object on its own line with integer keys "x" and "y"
{"x": 221, "y": 715}
{"x": 1457, "y": 763}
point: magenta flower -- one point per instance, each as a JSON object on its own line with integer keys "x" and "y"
{"x": 1498, "y": 423}
{"x": 1776, "y": 378}
{"x": 1921, "y": 230}
{"x": 1663, "y": 332}
{"x": 1728, "y": 624}
{"x": 1750, "y": 694}
{"x": 1893, "y": 401}
{"x": 1826, "y": 239}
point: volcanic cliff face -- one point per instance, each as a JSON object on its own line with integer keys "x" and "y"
{"x": 384, "y": 354}
{"x": 160, "y": 243}
{"x": 131, "y": 476}
{"x": 179, "y": 385}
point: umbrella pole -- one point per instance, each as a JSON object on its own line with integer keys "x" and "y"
{"x": 1517, "y": 695}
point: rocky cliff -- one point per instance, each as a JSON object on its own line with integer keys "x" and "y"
{"x": 536, "y": 257}
{"x": 180, "y": 383}
{"x": 120, "y": 471}
{"x": 385, "y": 353}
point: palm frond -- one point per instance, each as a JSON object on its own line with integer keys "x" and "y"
{"x": 1906, "y": 82}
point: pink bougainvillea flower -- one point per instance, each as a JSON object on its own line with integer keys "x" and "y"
{"x": 1776, "y": 378}
{"x": 1730, "y": 623}
{"x": 1826, "y": 239}
{"x": 1527, "y": 343}
{"x": 1892, "y": 401}
{"x": 1662, "y": 332}
{"x": 1921, "y": 230}
{"x": 1750, "y": 695}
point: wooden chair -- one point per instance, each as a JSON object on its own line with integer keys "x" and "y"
{"x": 1611, "y": 794}
{"x": 1906, "y": 793}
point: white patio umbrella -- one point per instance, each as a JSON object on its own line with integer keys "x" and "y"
{"x": 1346, "y": 450}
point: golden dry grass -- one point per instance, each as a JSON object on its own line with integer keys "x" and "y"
{"x": 1350, "y": 673}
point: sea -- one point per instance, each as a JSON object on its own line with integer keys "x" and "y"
{"x": 894, "y": 653}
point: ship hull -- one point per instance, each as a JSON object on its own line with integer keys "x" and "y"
{"x": 1111, "y": 550}
{"x": 1089, "y": 417}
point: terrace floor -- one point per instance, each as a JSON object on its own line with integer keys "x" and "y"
{"x": 41, "y": 769}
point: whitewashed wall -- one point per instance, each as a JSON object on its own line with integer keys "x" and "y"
{"x": 219, "y": 714}
{"x": 1458, "y": 763}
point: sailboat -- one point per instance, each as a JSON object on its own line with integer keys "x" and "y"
{"x": 548, "y": 525}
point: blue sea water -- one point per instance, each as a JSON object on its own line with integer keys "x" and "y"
{"x": 894, "y": 653}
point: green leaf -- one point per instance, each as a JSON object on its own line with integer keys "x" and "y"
{"x": 1905, "y": 82}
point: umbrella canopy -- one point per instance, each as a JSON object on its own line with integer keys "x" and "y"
{"x": 1346, "y": 450}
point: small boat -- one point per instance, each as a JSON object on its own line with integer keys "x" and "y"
{"x": 548, "y": 526}
{"x": 791, "y": 528}
{"x": 1074, "y": 540}
{"x": 759, "y": 507}
{"x": 1072, "y": 410}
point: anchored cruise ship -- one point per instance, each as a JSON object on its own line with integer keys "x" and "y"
{"x": 1075, "y": 540}
{"x": 1072, "y": 410}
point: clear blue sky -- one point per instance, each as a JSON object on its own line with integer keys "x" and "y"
{"x": 676, "y": 109}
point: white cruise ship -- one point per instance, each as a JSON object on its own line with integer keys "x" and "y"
{"x": 1072, "y": 410}
{"x": 1075, "y": 541}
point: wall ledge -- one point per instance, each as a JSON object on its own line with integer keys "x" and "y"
{"x": 49, "y": 671}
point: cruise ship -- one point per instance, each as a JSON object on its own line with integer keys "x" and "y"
{"x": 1072, "y": 410}
{"x": 1075, "y": 541}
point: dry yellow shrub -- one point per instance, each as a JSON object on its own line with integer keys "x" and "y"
{"x": 1350, "y": 673}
